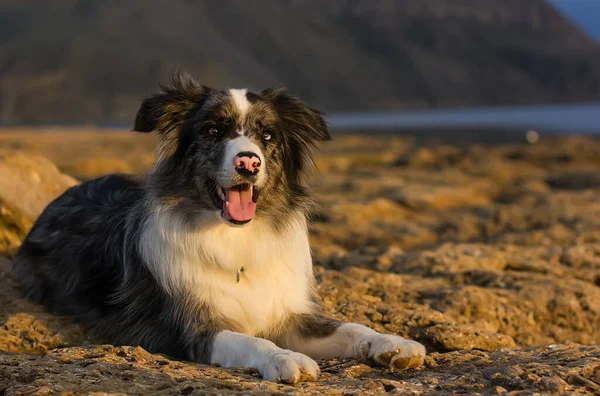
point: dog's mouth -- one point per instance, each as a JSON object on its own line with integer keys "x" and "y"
{"x": 237, "y": 203}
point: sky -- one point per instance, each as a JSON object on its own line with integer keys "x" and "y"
{"x": 585, "y": 13}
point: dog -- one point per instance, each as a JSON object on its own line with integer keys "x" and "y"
{"x": 206, "y": 258}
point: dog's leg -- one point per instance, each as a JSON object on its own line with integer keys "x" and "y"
{"x": 230, "y": 349}
{"x": 323, "y": 338}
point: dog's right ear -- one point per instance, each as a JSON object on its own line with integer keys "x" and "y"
{"x": 166, "y": 110}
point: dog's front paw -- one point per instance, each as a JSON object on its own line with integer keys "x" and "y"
{"x": 393, "y": 351}
{"x": 289, "y": 367}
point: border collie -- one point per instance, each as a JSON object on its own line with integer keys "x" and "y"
{"x": 207, "y": 258}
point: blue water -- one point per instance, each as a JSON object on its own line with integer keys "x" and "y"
{"x": 578, "y": 118}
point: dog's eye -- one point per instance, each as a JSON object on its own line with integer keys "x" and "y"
{"x": 213, "y": 131}
{"x": 266, "y": 136}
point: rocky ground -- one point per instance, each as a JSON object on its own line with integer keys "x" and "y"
{"x": 488, "y": 255}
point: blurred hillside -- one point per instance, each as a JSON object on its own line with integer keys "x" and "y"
{"x": 85, "y": 60}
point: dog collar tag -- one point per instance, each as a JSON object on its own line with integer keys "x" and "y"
{"x": 238, "y": 274}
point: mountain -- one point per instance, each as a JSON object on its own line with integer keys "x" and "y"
{"x": 90, "y": 61}
{"x": 584, "y": 13}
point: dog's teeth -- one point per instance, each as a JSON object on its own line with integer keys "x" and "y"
{"x": 221, "y": 193}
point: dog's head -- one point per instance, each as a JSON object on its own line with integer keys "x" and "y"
{"x": 237, "y": 153}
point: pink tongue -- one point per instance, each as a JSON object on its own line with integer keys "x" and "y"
{"x": 239, "y": 205}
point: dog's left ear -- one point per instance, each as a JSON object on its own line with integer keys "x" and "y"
{"x": 306, "y": 123}
{"x": 166, "y": 110}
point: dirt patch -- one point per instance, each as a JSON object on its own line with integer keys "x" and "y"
{"x": 488, "y": 255}
{"x": 133, "y": 371}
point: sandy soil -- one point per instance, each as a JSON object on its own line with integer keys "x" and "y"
{"x": 489, "y": 255}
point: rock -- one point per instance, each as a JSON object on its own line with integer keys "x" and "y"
{"x": 435, "y": 196}
{"x": 13, "y": 228}
{"x": 23, "y": 333}
{"x": 28, "y": 183}
{"x": 536, "y": 295}
{"x": 554, "y": 384}
{"x": 355, "y": 371}
{"x": 452, "y": 258}
{"x": 575, "y": 180}
{"x": 485, "y": 261}
{"x": 432, "y": 158}
{"x": 454, "y": 338}
{"x": 133, "y": 371}
{"x": 379, "y": 222}
{"x": 387, "y": 258}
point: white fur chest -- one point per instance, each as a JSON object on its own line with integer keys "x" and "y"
{"x": 203, "y": 263}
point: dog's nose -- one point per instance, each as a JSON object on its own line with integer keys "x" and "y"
{"x": 247, "y": 162}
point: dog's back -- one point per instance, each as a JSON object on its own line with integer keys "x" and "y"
{"x": 65, "y": 261}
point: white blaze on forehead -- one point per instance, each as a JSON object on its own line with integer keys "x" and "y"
{"x": 239, "y": 99}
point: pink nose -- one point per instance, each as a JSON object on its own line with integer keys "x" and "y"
{"x": 247, "y": 162}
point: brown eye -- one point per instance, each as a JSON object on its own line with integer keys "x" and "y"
{"x": 267, "y": 136}
{"x": 213, "y": 131}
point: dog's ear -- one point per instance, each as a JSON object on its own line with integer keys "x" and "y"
{"x": 166, "y": 110}
{"x": 304, "y": 122}
{"x": 302, "y": 127}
